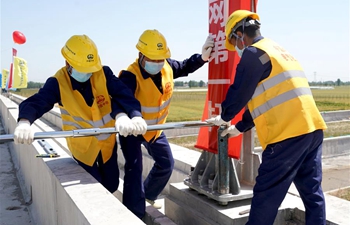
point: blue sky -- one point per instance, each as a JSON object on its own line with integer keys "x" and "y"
{"x": 316, "y": 32}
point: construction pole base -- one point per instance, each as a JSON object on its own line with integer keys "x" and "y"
{"x": 246, "y": 192}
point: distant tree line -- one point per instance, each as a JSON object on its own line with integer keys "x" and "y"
{"x": 201, "y": 83}
{"x": 191, "y": 83}
{"x": 338, "y": 82}
{"x": 32, "y": 84}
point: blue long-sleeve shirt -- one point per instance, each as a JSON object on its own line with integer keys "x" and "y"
{"x": 249, "y": 72}
{"x": 180, "y": 69}
{"x": 121, "y": 97}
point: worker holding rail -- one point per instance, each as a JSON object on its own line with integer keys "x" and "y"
{"x": 281, "y": 107}
{"x": 89, "y": 96}
{"x": 150, "y": 78}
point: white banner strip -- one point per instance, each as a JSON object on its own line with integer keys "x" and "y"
{"x": 219, "y": 81}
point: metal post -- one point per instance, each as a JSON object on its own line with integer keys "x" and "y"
{"x": 223, "y": 181}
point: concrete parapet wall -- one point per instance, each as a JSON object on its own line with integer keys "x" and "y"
{"x": 336, "y": 115}
{"x": 57, "y": 190}
{"x": 185, "y": 158}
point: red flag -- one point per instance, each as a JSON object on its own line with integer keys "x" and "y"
{"x": 14, "y": 52}
{"x": 222, "y": 71}
{"x": 10, "y": 77}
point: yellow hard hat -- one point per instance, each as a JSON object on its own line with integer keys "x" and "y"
{"x": 81, "y": 53}
{"x": 153, "y": 45}
{"x": 233, "y": 22}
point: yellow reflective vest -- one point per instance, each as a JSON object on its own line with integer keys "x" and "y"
{"x": 282, "y": 105}
{"x": 154, "y": 105}
{"x": 76, "y": 114}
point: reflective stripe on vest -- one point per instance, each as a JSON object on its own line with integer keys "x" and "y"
{"x": 156, "y": 121}
{"x": 155, "y": 109}
{"x": 265, "y": 85}
{"x": 100, "y": 123}
{"x": 76, "y": 113}
{"x": 282, "y": 105}
{"x": 279, "y": 100}
{"x": 154, "y": 104}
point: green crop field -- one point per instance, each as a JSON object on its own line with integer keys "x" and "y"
{"x": 189, "y": 105}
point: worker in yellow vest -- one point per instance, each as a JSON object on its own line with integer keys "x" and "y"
{"x": 150, "y": 78}
{"x": 89, "y": 95}
{"x": 281, "y": 107}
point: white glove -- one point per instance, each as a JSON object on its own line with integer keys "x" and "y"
{"x": 140, "y": 125}
{"x": 207, "y": 48}
{"x": 23, "y": 133}
{"x": 123, "y": 124}
{"x": 217, "y": 121}
{"x": 232, "y": 131}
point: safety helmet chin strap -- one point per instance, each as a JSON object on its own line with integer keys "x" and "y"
{"x": 69, "y": 68}
{"x": 141, "y": 58}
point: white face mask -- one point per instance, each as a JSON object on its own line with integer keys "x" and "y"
{"x": 80, "y": 77}
{"x": 153, "y": 67}
{"x": 239, "y": 51}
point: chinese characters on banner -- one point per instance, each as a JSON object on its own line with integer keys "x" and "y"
{"x": 222, "y": 68}
{"x": 20, "y": 71}
{"x": 5, "y": 74}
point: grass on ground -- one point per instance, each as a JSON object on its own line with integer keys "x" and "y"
{"x": 342, "y": 193}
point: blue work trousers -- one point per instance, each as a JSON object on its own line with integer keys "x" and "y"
{"x": 135, "y": 190}
{"x": 105, "y": 173}
{"x": 295, "y": 160}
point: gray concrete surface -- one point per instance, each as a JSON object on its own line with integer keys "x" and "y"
{"x": 13, "y": 208}
{"x": 336, "y": 173}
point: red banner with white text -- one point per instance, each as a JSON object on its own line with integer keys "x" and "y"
{"x": 221, "y": 74}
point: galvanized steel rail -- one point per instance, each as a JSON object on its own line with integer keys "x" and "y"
{"x": 98, "y": 131}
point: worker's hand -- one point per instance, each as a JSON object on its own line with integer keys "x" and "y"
{"x": 140, "y": 125}
{"x": 232, "y": 131}
{"x": 23, "y": 133}
{"x": 123, "y": 124}
{"x": 217, "y": 121}
{"x": 207, "y": 48}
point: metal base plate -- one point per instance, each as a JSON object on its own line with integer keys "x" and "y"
{"x": 246, "y": 192}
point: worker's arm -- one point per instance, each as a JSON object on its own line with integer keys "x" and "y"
{"x": 38, "y": 104}
{"x": 122, "y": 97}
{"x": 249, "y": 72}
{"x": 129, "y": 79}
{"x": 246, "y": 123}
{"x": 187, "y": 66}
{"x": 196, "y": 61}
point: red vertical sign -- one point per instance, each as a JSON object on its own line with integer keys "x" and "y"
{"x": 14, "y": 53}
{"x": 222, "y": 70}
